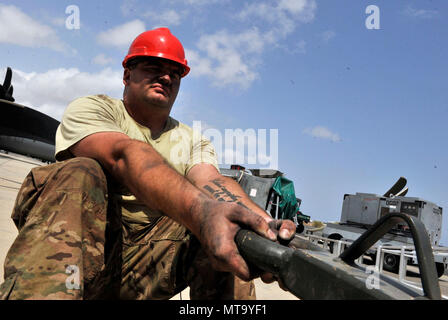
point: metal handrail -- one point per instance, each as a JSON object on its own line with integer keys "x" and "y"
{"x": 428, "y": 273}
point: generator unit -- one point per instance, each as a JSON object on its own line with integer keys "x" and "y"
{"x": 366, "y": 208}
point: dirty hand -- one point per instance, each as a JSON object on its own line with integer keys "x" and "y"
{"x": 285, "y": 230}
{"x": 218, "y": 225}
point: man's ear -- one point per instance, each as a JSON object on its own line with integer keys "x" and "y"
{"x": 126, "y": 76}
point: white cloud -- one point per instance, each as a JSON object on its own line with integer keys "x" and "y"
{"x": 322, "y": 133}
{"x": 102, "y": 60}
{"x": 165, "y": 18}
{"x": 282, "y": 18}
{"x": 304, "y": 9}
{"x": 420, "y": 13}
{"x": 51, "y": 91}
{"x": 229, "y": 58}
{"x": 18, "y": 28}
{"x": 121, "y": 36}
{"x": 327, "y": 35}
{"x": 58, "y": 21}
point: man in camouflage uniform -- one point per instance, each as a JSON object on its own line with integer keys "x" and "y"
{"x": 135, "y": 207}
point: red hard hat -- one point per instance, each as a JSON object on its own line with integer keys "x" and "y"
{"x": 158, "y": 43}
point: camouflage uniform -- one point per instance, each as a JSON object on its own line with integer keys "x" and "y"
{"x": 76, "y": 242}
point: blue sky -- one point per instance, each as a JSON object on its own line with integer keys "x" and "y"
{"x": 355, "y": 108}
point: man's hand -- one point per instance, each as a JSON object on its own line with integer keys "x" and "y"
{"x": 285, "y": 230}
{"x": 213, "y": 184}
{"x": 219, "y": 223}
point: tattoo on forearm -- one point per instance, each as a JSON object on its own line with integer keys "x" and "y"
{"x": 221, "y": 193}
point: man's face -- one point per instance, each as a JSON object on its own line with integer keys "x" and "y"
{"x": 154, "y": 81}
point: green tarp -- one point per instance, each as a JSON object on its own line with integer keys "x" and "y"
{"x": 288, "y": 205}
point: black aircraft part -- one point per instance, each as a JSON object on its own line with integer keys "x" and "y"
{"x": 24, "y": 122}
{"x": 6, "y": 89}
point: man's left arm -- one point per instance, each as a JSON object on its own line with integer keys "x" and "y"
{"x": 205, "y": 177}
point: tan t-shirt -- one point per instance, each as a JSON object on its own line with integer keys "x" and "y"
{"x": 178, "y": 144}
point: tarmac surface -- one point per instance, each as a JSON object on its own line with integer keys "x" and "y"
{"x": 263, "y": 291}
{"x": 13, "y": 170}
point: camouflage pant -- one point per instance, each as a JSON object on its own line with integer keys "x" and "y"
{"x": 76, "y": 241}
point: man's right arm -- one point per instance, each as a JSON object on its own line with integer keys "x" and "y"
{"x": 153, "y": 181}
